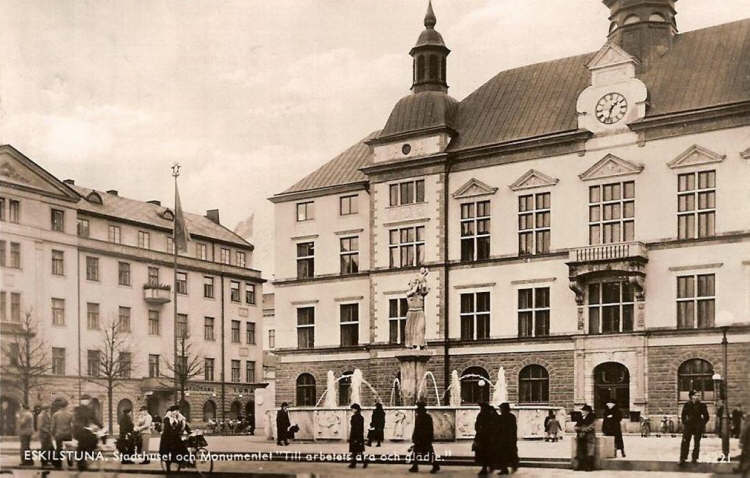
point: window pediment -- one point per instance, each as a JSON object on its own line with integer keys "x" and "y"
{"x": 533, "y": 179}
{"x": 167, "y": 214}
{"x": 611, "y": 166}
{"x": 610, "y": 55}
{"x": 473, "y": 188}
{"x": 696, "y": 156}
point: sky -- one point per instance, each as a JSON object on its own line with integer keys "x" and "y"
{"x": 250, "y": 96}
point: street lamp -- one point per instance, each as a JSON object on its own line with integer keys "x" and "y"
{"x": 724, "y": 319}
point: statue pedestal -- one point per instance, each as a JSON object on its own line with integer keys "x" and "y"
{"x": 413, "y": 365}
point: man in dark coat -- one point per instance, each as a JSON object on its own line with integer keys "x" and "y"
{"x": 585, "y": 439}
{"x": 357, "y": 437}
{"x": 282, "y": 425}
{"x": 506, "y": 443}
{"x": 486, "y": 428}
{"x": 422, "y": 439}
{"x": 611, "y": 426}
{"x": 694, "y": 419}
{"x": 377, "y": 425}
{"x": 737, "y": 415}
{"x": 45, "y": 434}
{"x": 62, "y": 430}
{"x": 126, "y": 441}
{"x": 83, "y": 420}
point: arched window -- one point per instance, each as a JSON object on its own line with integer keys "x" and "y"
{"x": 306, "y": 390}
{"x": 695, "y": 374}
{"x": 209, "y": 411}
{"x": 123, "y": 405}
{"x": 434, "y": 67}
{"x": 420, "y": 68}
{"x": 631, "y": 19}
{"x": 533, "y": 385}
{"x": 657, "y": 17}
{"x": 345, "y": 389}
{"x": 250, "y": 412}
{"x": 8, "y": 408}
{"x": 185, "y": 409}
{"x": 235, "y": 410}
{"x": 475, "y": 386}
{"x": 442, "y": 70}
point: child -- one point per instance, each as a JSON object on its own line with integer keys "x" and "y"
{"x": 552, "y": 427}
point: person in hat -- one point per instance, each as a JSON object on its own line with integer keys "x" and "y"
{"x": 611, "y": 426}
{"x": 61, "y": 429}
{"x": 126, "y": 441}
{"x": 84, "y": 424}
{"x": 25, "y": 430}
{"x": 486, "y": 431}
{"x": 506, "y": 445}
{"x": 143, "y": 427}
{"x": 282, "y": 425}
{"x": 694, "y": 419}
{"x": 586, "y": 439}
{"x": 377, "y": 425}
{"x": 171, "y": 447}
{"x": 357, "y": 437}
{"x": 45, "y": 434}
{"x": 422, "y": 439}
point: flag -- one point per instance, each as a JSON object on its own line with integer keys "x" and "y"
{"x": 181, "y": 233}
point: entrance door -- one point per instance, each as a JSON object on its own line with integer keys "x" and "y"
{"x": 8, "y": 409}
{"x": 611, "y": 384}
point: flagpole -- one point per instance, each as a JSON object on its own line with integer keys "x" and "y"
{"x": 175, "y": 174}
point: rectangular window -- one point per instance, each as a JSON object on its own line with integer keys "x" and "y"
{"x": 533, "y": 312}
{"x": 153, "y": 322}
{"x": 58, "y": 361}
{"x": 82, "y": 228}
{"x": 58, "y": 311}
{"x": 14, "y": 211}
{"x": 58, "y": 220}
{"x": 397, "y": 309}
{"x": 183, "y": 330}
{"x": 306, "y": 327}
{"x": 348, "y": 205}
{"x": 201, "y": 251}
{"x": 123, "y": 273}
{"x": 235, "y": 371}
{"x": 15, "y": 306}
{"x": 271, "y": 338}
{"x": 406, "y": 246}
{"x": 114, "y": 234}
{"x": 92, "y": 316}
{"x": 170, "y": 245}
{"x": 123, "y": 319}
{"x": 208, "y": 369}
{"x": 475, "y": 316}
{"x": 182, "y": 282}
{"x": 349, "y": 255}
{"x": 226, "y": 258}
{"x": 234, "y": 291}
{"x": 408, "y": 192}
{"x": 349, "y": 317}
{"x": 241, "y": 259}
{"x": 305, "y": 211}
{"x": 696, "y": 301}
{"x": 93, "y": 363}
{"x": 153, "y": 365}
{"x": 153, "y": 276}
{"x": 92, "y": 268}
{"x": 15, "y": 255}
{"x": 534, "y": 228}
{"x": 696, "y": 204}
{"x": 58, "y": 263}
{"x": 208, "y": 328}
{"x": 3, "y": 306}
{"x": 249, "y": 293}
{"x": 475, "y": 231}
{"x": 250, "y": 333}
{"x": 610, "y": 307}
{"x": 144, "y": 240}
{"x": 208, "y": 287}
{"x": 250, "y": 371}
{"x": 612, "y": 213}
{"x": 236, "y": 331}
{"x": 2, "y": 209}
{"x": 124, "y": 364}
{"x": 305, "y": 260}
{"x": 3, "y": 245}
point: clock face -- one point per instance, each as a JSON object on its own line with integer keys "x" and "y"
{"x": 611, "y": 108}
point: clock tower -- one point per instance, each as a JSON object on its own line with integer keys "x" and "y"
{"x": 643, "y": 28}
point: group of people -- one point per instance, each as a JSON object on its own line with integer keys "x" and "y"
{"x": 238, "y": 425}
{"x": 495, "y": 442}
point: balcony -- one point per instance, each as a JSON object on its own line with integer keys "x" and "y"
{"x": 609, "y": 252}
{"x": 157, "y": 293}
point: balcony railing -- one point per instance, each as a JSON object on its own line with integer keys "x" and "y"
{"x": 156, "y": 293}
{"x": 608, "y": 252}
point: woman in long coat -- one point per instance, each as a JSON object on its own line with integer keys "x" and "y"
{"x": 586, "y": 439}
{"x": 357, "y": 437}
{"x": 171, "y": 447}
{"x": 506, "y": 446}
{"x": 611, "y": 426}
{"x": 486, "y": 427}
{"x": 377, "y": 425}
{"x": 422, "y": 438}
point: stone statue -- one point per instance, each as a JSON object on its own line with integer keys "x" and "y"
{"x": 415, "y": 321}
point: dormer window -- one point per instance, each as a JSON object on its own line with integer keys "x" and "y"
{"x": 631, "y": 19}
{"x": 167, "y": 214}
{"x": 657, "y": 17}
{"x": 94, "y": 197}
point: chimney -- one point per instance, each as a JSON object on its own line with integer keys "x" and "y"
{"x": 643, "y": 28}
{"x": 155, "y": 202}
{"x": 69, "y": 181}
{"x": 213, "y": 215}
{"x": 112, "y": 192}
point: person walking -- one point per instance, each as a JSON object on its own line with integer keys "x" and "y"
{"x": 143, "y": 428}
{"x": 25, "y": 423}
{"x": 737, "y": 415}
{"x": 506, "y": 444}
{"x": 357, "y": 437}
{"x": 377, "y": 425}
{"x": 282, "y": 425}
{"x": 585, "y": 439}
{"x": 126, "y": 441}
{"x": 422, "y": 438}
{"x": 171, "y": 447}
{"x": 611, "y": 426}
{"x": 551, "y": 427}
{"x": 719, "y": 414}
{"x": 61, "y": 430}
{"x": 694, "y": 418}
{"x": 45, "y": 436}
{"x": 83, "y": 421}
{"x": 486, "y": 431}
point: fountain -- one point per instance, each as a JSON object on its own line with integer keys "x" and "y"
{"x": 434, "y": 385}
{"x": 356, "y": 387}
{"x": 500, "y": 390}
{"x": 330, "y": 392}
{"x": 455, "y": 398}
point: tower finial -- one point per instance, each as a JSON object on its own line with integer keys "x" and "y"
{"x": 429, "y": 17}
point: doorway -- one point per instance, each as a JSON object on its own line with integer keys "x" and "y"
{"x": 611, "y": 384}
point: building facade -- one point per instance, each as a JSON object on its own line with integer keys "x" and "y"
{"x": 583, "y": 221}
{"x": 77, "y": 260}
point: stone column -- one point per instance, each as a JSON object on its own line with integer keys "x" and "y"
{"x": 413, "y": 365}
{"x": 579, "y": 373}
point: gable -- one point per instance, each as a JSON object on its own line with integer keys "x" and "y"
{"x": 533, "y": 179}
{"x": 610, "y": 55}
{"x": 610, "y": 166}
{"x": 472, "y": 188}
{"x": 16, "y": 170}
{"x": 695, "y": 156}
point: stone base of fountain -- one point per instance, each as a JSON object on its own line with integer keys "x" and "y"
{"x": 412, "y": 366}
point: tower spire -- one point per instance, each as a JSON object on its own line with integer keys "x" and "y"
{"x": 430, "y": 57}
{"x": 429, "y": 18}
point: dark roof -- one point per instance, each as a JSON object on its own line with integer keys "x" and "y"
{"x": 151, "y": 214}
{"x": 704, "y": 68}
{"x": 424, "y": 110}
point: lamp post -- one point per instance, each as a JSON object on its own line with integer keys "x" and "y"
{"x": 724, "y": 319}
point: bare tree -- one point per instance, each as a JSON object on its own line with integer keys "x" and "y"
{"x": 115, "y": 361}
{"x": 25, "y": 357}
{"x": 186, "y": 367}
